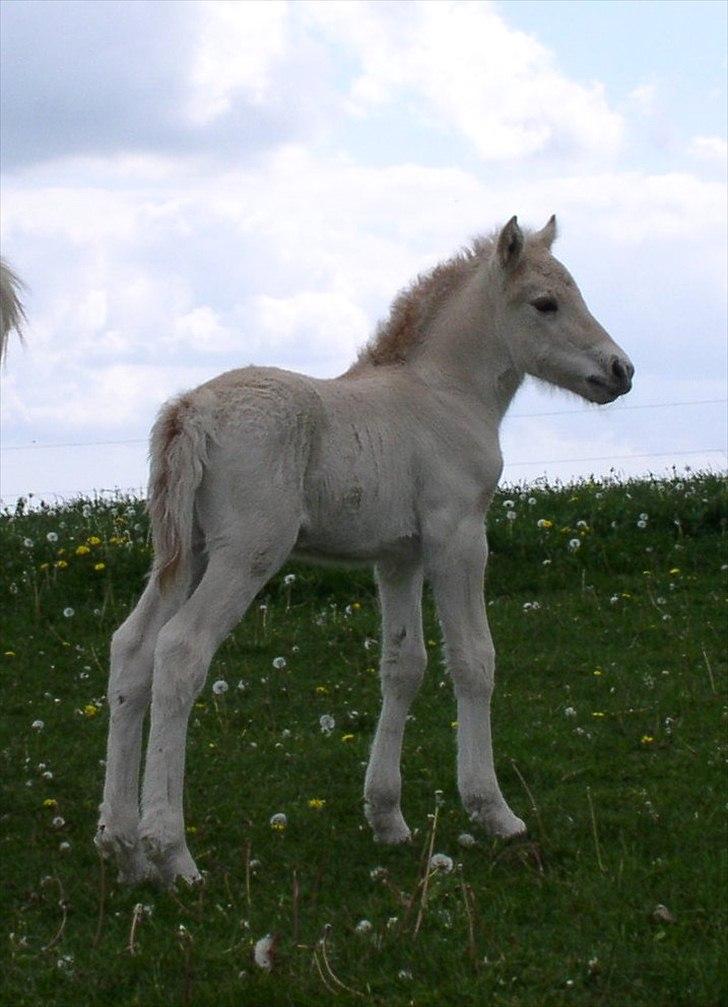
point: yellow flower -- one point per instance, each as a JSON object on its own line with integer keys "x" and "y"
{"x": 90, "y": 710}
{"x": 597, "y": 713}
{"x": 598, "y": 671}
{"x": 44, "y": 566}
{"x": 432, "y": 643}
{"x": 82, "y": 550}
{"x": 191, "y": 829}
{"x": 99, "y": 566}
{"x": 93, "y": 540}
{"x": 647, "y": 739}
{"x": 61, "y": 564}
{"x": 9, "y": 653}
{"x": 453, "y": 723}
{"x": 675, "y": 570}
{"x": 321, "y": 690}
{"x": 356, "y": 605}
{"x": 50, "y": 802}
{"x": 347, "y": 737}
{"x": 116, "y": 540}
{"x": 316, "y": 803}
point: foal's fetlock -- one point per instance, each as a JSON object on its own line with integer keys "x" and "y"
{"x": 120, "y": 843}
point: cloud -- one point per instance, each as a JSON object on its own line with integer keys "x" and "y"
{"x": 710, "y": 148}
{"x": 461, "y": 67}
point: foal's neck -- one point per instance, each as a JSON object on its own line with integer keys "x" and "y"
{"x": 463, "y": 353}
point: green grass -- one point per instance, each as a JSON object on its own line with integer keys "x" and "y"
{"x": 628, "y": 789}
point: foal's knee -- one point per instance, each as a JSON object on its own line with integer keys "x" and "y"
{"x": 473, "y": 674}
{"x": 404, "y": 669}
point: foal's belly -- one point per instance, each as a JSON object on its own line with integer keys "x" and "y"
{"x": 349, "y": 535}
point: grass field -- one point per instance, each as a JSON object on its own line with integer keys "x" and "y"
{"x": 610, "y": 734}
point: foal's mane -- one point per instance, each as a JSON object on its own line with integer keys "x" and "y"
{"x": 414, "y": 308}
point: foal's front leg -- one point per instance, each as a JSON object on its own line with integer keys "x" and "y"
{"x": 403, "y": 663}
{"x": 457, "y": 575}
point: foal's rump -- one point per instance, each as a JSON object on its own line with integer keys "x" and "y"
{"x": 227, "y": 455}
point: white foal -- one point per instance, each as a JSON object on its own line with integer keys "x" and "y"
{"x": 393, "y": 463}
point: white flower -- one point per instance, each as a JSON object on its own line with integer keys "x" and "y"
{"x": 511, "y": 515}
{"x": 279, "y": 662}
{"x": 569, "y": 711}
{"x": 509, "y": 504}
{"x": 405, "y": 974}
{"x": 363, "y": 927}
{"x": 327, "y": 723}
{"x": 220, "y": 687}
{"x": 52, "y": 537}
{"x": 279, "y": 820}
{"x": 546, "y": 562}
{"x": 644, "y": 517}
{"x": 37, "y": 725}
{"x": 543, "y": 523}
{"x": 581, "y": 524}
{"x": 641, "y": 523}
{"x": 614, "y": 599}
{"x": 264, "y": 951}
{"x": 28, "y": 543}
{"x": 466, "y": 840}
{"x": 64, "y": 847}
{"x": 441, "y": 862}
{"x": 377, "y": 873}
{"x": 289, "y": 579}
{"x": 69, "y": 612}
{"x": 574, "y": 544}
{"x": 58, "y": 822}
{"x": 531, "y": 501}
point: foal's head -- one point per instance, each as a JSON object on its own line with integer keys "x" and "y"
{"x": 548, "y": 328}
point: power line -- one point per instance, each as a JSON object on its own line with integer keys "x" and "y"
{"x": 33, "y": 446}
{"x": 546, "y": 461}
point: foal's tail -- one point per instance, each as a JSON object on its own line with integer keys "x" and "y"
{"x": 178, "y": 453}
{"x": 12, "y": 315}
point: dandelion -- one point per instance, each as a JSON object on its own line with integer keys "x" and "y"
{"x": 532, "y": 501}
{"x": 378, "y": 873}
{"x": 574, "y": 544}
{"x": 264, "y": 952}
{"x": 37, "y": 725}
{"x": 466, "y": 840}
{"x": 279, "y": 663}
{"x": 278, "y": 821}
{"x": 93, "y": 540}
{"x": 326, "y": 723}
{"x": 50, "y": 802}
{"x": 69, "y": 612}
{"x": 511, "y": 515}
{"x": 544, "y": 523}
{"x": 441, "y": 862}
{"x": 242, "y": 685}
{"x": 641, "y": 523}
{"x": 58, "y": 822}
{"x": 509, "y": 504}
{"x": 316, "y": 803}
{"x": 347, "y": 737}
{"x": 674, "y": 571}
{"x": 582, "y": 525}
{"x": 28, "y": 543}
{"x": 289, "y": 579}
{"x": 405, "y": 975}
{"x": 64, "y": 847}
{"x": 647, "y": 739}
{"x": 99, "y": 566}
{"x": 61, "y": 564}
{"x": 220, "y": 687}
{"x": 363, "y": 927}
{"x": 90, "y": 710}
{"x": 52, "y": 536}
{"x": 65, "y": 963}
{"x": 569, "y": 711}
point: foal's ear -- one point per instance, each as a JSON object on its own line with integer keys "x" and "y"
{"x": 548, "y": 234}
{"x": 510, "y": 244}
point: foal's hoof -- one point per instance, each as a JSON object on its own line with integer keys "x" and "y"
{"x": 171, "y": 865}
{"x": 499, "y": 822}
{"x": 389, "y": 829}
{"x": 124, "y": 849}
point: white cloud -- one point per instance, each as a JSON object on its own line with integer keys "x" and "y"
{"x": 709, "y": 148}
{"x": 239, "y": 47}
{"x": 461, "y": 66}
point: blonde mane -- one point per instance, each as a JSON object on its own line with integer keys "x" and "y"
{"x": 414, "y": 308}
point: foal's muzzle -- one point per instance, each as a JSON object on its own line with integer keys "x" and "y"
{"x": 617, "y": 379}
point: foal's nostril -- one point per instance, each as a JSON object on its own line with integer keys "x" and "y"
{"x": 622, "y": 370}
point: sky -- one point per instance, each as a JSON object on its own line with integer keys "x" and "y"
{"x": 192, "y": 187}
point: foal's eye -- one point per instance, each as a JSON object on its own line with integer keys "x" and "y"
{"x": 545, "y": 304}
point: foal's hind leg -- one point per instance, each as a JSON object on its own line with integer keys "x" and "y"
{"x": 128, "y": 695}
{"x": 184, "y": 651}
{"x": 403, "y": 663}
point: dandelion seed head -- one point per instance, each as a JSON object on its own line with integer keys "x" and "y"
{"x": 327, "y": 723}
{"x": 279, "y": 663}
{"x": 37, "y": 725}
{"x": 69, "y": 612}
{"x": 441, "y": 862}
{"x": 363, "y": 927}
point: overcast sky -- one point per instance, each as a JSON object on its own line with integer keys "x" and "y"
{"x": 191, "y": 187}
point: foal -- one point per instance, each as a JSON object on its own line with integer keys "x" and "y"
{"x": 394, "y": 463}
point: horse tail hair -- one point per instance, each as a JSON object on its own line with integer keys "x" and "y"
{"x": 12, "y": 314}
{"x": 178, "y": 454}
